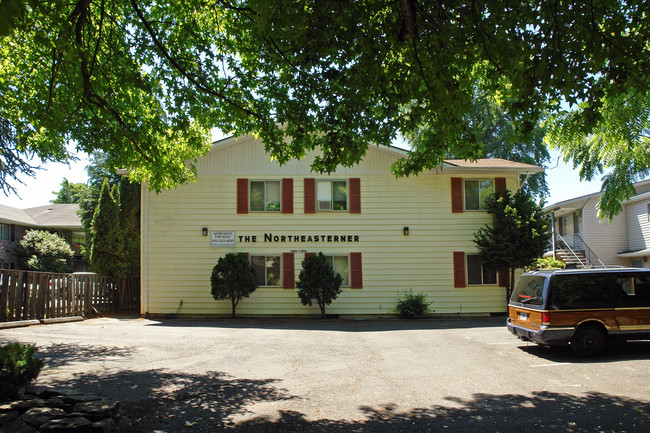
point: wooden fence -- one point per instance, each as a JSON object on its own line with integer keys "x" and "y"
{"x": 40, "y": 295}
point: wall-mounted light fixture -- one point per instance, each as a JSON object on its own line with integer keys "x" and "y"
{"x": 406, "y": 231}
{"x": 204, "y": 231}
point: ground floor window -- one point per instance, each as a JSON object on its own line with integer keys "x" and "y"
{"x": 477, "y": 273}
{"x": 267, "y": 270}
{"x": 341, "y": 265}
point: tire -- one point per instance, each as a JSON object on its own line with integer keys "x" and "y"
{"x": 588, "y": 341}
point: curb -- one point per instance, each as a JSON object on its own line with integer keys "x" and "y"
{"x": 23, "y": 323}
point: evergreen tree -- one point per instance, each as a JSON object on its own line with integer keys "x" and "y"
{"x": 107, "y": 248}
{"x": 318, "y": 282}
{"x": 233, "y": 278}
{"x": 518, "y": 234}
{"x": 129, "y": 199}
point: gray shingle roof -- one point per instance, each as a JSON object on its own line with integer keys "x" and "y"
{"x": 52, "y": 215}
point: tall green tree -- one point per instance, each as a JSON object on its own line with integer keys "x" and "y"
{"x": 233, "y": 279}
{"x": 129, "y": 200}
{"x": 70, "y": 192}
{"x": 517, "y": 236}
{"x": 318, "y": 282}
{"x": 107, "y": 245}
{"x": 496, "y": 132}
{"x": 146, "y": 83}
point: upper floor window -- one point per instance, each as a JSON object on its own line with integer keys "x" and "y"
{"x": 265, "y": 195}
{"x": 5, "y": 232}
{"x": 477, "y": 192}
{"x": 332, "y": 194}
{"x": 267, "y": 270}
{"x": 477, "y": 272}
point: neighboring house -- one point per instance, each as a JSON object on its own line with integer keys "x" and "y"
{"x": 384, "y": 235}
{"x": 62, "y": 219}
{"x": 583, "y": 240}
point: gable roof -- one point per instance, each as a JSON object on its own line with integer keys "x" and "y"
{"x": 52, "y": 215}
{"x": 641, "y": 187}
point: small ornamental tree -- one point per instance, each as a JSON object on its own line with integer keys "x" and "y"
{"x": 517, "y": 236}
{"x": 40, "y": 250}
{"x": 233, "y": 278}
{"x": 318, "y": 282}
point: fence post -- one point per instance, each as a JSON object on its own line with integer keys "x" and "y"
{"x": 4, "y": 288}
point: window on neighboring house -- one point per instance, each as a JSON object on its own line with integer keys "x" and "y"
{"x": 6, "y": 265}
{"x": 340, "y": 264}
{"x": 267, "y": 270}
{"x": 477, "y": 273}
{"x": 477, "y": 193}
{"x": 265, "y": 195}
{"x": 332, "y": 194}
{"x": 5, "y": 232}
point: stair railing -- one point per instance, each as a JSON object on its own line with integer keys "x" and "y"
{"x": 561, "y": 240}
{"x": 579, "y": 244}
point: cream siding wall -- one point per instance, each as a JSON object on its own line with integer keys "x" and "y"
{"x": 638, "y": 225}
{"x": 605, "y": 238}
{"x": 179, "y": 260}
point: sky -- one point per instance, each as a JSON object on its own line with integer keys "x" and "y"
{"x": 564, "y": 183}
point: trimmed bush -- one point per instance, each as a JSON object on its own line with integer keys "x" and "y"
{"x": 233, "y": 278}
{"x": 412, "y": 305}
{"x": 318, "y": 282}
{"x": 546, "y": 263}
{"x": 18, "y": 367}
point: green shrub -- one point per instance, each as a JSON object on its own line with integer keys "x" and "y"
{"x": 318, "y": 282}
{"x": 18, "y": 367}
{"x": 546, "y": 263}
{"x": 412, "y": 305}
{"x": 43, "y": 251}
{"x": 233, "y": 279}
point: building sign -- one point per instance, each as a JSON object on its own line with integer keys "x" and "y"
{"x": 222, "y": 239}
{"x": 271, "y": 237}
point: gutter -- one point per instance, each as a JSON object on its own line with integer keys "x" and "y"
{"x": 144, "y": 246}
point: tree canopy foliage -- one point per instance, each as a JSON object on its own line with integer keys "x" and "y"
{"x": 70, "y": 192}
{"x": 146, "y": 82}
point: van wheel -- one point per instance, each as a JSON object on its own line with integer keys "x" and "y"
{"x": 588, "y": 340}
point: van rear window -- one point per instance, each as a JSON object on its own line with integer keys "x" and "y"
{"x": 529, "y": 290}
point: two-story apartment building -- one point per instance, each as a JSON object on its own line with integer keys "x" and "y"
{"x": 384, "y": 235}
{"x": 623, "y": 241}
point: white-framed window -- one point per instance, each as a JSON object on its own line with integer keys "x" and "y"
{"x": 341, "y": 265}
{"x": 268, "y": 270}
{"x": 5, "y": 232}
{"x": 265, "y": 195}
{"x": 332, "y": 195}
{"x": 477, "y": 191}
{"x": 477, "y": 273}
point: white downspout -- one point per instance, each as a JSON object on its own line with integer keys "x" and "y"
{"x": 144, "y": 246}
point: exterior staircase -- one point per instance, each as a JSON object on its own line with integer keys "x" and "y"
{"x": 573, "y": 258}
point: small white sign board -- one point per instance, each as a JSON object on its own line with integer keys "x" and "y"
{"x": 222, "y": 239}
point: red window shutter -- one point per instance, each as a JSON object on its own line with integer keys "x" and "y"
{"x": 500, "y": 185}
{"x": 288, "y": 270}
{"x": 502, "y": 277}
{"x": 287, "y": 195}
{"x": 456, "y": 195}
{"x": 310, "y": 195}
{"x": 355, "y": 195}
{"x": 309, "y": 254}
{"x": 356, "y": 281}
{"x": 459, "y": 269}
{"x": 242, "y": 195}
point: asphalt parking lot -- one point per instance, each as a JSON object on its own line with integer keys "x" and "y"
{"x": 450, "y": 375}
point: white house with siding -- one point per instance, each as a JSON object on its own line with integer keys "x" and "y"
{"x": 623, "y": 241}
{"x": 384, "y": 235}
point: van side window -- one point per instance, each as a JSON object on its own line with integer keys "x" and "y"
{"x": 638, "y": 292}
{"x": 580, "y": 292}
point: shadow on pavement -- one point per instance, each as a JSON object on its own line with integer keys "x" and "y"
{"x": 341, "y": 325}
{"x": 615, "y": 352}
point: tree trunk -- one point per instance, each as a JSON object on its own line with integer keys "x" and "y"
{"x": 234, "y": 304}
{"x": 322, "y": 311}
